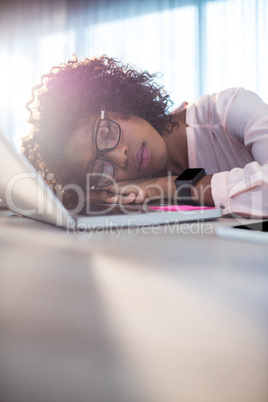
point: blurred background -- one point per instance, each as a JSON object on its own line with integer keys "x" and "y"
{"x": 200, "y": 46}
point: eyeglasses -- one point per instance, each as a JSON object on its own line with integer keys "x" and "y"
{"x": 107, "y": 137}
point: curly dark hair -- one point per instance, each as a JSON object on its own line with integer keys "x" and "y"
{"x": 76, "y": 89}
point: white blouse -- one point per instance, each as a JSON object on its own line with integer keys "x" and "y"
{"x": 227, "y": 134}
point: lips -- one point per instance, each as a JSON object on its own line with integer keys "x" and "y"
{"x": 142, "y": 158}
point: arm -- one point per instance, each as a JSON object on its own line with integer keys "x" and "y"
{"x": 245, "y": 190}
{"x": 242, "y": 191}
{"x": 160, "y": 188}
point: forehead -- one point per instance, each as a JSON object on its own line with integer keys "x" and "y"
{"x": 80, "y": 148}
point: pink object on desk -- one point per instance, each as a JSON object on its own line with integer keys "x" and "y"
{"x": 179, "y": 208}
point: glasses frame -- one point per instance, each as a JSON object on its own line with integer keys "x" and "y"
{"x": 102, "y": 118}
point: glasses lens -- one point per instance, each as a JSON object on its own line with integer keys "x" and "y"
{"x": 102, "y": 173}
{"x": 108, "y": 135}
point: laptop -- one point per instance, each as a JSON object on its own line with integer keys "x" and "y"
{"x": 25, "y": 193}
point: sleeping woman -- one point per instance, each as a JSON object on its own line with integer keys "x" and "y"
{"x": 102, "y": 127}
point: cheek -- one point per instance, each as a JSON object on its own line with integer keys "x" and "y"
{"x": 159, "y": 154}
{"x": 72, "y": 154}
{"x": 77, "y": 155}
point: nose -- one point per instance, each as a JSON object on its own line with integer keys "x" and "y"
{"x": 118, "y": 156}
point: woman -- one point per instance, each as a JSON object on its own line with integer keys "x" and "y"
{"x": 101, "y": 125}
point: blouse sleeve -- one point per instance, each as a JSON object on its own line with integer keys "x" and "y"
{"x": 245, "y": 191}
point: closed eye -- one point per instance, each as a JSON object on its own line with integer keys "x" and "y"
{"x": 108, "y": 134}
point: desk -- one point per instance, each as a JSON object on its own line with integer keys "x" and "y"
{"x": 164, "y": 314}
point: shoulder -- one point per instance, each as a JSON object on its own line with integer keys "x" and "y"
{"x": 219, "y": 100}
{"x": 211, "y": 108}
{"x": 218, "y": 105}
{"x": 238, "y": 97}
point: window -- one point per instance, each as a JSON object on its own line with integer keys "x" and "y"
{"x": 200, "y": 46}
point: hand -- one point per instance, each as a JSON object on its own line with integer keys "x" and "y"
{"x": 137, "y": 191}
{"x": 96, "y": 196}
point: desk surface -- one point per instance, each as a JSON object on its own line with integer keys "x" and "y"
{"x": 161, "y": 314}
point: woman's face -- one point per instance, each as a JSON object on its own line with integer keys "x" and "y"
{"x": 140, "y": 152}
